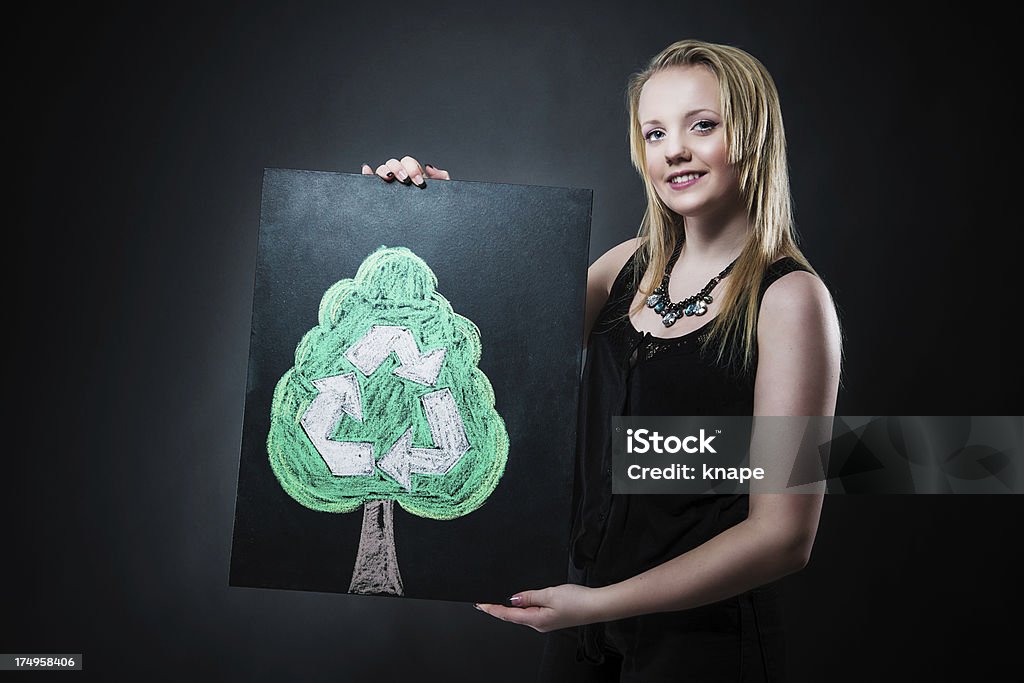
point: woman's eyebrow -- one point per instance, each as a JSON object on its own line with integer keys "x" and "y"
{"x": 685, "y": 116}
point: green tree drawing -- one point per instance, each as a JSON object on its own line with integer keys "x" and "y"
{"x": 385, "y": 404}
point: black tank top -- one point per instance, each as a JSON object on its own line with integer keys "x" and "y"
{"x": 629, "y": 372}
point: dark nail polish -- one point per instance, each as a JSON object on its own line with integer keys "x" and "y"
{"x": 429, "y": 166}
{"x": 390, "y": 174}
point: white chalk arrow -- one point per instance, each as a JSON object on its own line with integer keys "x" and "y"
{"x": 376, "y": 345}
{"x": 448, "y": 432}
{"x": 338, "y": 394}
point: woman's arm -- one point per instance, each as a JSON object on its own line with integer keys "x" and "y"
{"x": 798, "y": 374}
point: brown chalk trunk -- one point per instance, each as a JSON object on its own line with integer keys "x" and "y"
{"x": 376, "y": 571}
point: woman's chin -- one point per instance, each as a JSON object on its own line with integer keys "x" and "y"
{"x": 688, "y": 209}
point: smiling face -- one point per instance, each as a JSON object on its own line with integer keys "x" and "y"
{"x": 684, "y": 138}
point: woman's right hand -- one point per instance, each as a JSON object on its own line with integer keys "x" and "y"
{"x": 407, "y": 171}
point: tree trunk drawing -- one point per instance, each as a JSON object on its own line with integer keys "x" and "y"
{"x": 376, "y": 569}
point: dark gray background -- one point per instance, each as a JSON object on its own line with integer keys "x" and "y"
{"x": 141, "y": 140}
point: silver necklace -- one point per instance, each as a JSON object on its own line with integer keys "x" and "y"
{"x": 694, "y": 305}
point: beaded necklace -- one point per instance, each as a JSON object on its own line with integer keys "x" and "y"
{"x": 694, "y": 305}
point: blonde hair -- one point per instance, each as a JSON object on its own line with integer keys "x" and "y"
{"x": 757, "y": 149}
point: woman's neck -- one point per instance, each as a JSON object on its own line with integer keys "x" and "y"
{"x": 715, "y": 239}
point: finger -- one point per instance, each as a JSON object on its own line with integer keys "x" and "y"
{"x": 487, "y": 608}
{"x": 387, "y": 170}
{"x": 514, "y": 615}
{"x": 536, "y": 598}
{"x": 436, "y": 173}
{"x": 366, "y": 170}
{"x": 412, "y": 167}
{"x": 397, "y": 170}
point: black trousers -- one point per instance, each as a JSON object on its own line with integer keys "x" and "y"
{"x": 738, "y": 639}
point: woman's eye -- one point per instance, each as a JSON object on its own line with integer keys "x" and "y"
{"x": 704, "y": 126}
{"x": 649, "y": 137}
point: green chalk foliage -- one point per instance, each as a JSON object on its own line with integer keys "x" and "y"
{"x": 393, "y": 286}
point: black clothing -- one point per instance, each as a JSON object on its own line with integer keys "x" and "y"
{"x": 616, "y": 537}
{"x": 732, "y": 640}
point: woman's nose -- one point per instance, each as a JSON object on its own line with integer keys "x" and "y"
{"x": 677, "y": 152}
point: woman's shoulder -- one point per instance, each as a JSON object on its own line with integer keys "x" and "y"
{"x": 794, "y": 297}
{"x": 789, "y": 280}
{"x": 782, "y": 267}
{"x": 606, "y": 269}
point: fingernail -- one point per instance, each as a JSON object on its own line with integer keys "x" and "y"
{"x": 515, "y": 600}
{"x": 366, "y": 164}
{"x": 402, "y": 175}
{"x": 429, "y": 166}
{"x": 390, "y": 174}
{"x": 418, "y": 179}
{"x": 477, "y": 606}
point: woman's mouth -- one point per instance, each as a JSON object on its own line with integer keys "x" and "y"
{"x": 684, "y": 180}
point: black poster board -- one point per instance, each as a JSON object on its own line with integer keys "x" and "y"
{"x": 379, "y": 366}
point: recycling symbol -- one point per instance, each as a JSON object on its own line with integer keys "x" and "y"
{"x": 339, "y": 395}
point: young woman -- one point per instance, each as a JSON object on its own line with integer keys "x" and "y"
{"x": 711, "y": 310}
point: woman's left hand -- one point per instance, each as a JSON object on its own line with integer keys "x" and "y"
{"x": 550, "y": 609}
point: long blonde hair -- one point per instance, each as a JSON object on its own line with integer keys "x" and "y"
{"x": 757, "y": 149}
